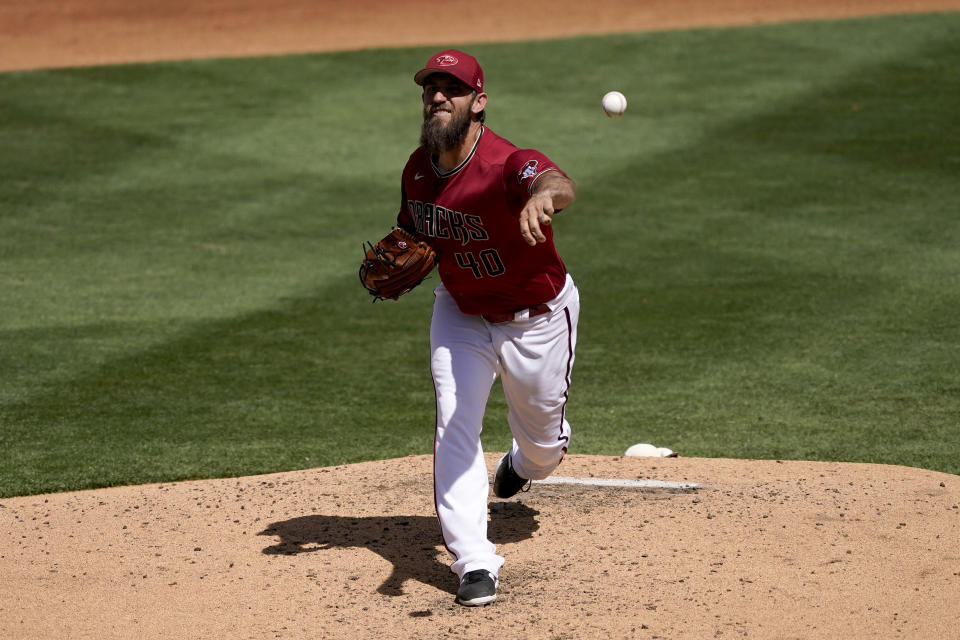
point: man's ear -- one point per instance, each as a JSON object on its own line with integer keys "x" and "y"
{"x": 479, "y": 103}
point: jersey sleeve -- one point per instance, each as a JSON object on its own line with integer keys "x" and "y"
{"x": 404, "y": 216}
{"x": 522, "y": 170}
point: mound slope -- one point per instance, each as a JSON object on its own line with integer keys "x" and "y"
{"x": 762, "y": 548}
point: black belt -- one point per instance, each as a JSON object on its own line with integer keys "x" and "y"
{"x": 535, "y": 310}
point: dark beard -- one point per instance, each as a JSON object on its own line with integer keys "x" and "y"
{"x": 437, "y": 137}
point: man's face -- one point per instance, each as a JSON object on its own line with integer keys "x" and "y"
{"x": 447, "y": 112}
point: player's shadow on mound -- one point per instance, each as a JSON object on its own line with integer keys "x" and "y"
{"x": 409, "y": 543}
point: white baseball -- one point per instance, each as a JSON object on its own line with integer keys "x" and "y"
{"x": 614, "y": 103}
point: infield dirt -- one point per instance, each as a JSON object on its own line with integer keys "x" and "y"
{"x": 54, "y": 33}
{"x": 764, "y": 549}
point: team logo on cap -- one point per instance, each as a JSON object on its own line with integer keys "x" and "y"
{"x": 402, "y": 244}
{"x": 446, "y": 61}
{"x": 527, "y": 171}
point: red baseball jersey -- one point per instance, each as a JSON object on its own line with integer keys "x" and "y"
{"x": 471, "y": 217}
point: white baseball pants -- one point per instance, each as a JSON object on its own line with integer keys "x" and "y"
{"x": 534, "y": 358}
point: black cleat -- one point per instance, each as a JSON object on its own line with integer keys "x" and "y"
{"x": 477, "y": 588}
{"x": 506, "y": 482}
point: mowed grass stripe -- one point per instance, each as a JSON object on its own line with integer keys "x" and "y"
{"x": 765, "y": 244}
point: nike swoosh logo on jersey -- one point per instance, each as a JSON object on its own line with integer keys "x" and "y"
{"x": 417, "y": 176}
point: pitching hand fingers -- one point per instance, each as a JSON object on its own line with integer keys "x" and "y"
{"x": 530, "y": 228}
{"x": 536, "y": 213}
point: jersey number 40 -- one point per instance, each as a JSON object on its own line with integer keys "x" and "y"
{"x": 489, "y": 263}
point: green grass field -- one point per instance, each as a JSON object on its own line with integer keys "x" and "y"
{"x": 767, "y": 246}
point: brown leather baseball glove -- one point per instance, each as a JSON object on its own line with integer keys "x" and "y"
{"x": 395, "y": 265}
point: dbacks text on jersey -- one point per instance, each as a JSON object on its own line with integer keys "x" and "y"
{"x": 435, "y": 221}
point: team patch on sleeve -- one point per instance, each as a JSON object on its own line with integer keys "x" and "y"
{"x": 527, "y": 171}
{"x": 523, "y": 168}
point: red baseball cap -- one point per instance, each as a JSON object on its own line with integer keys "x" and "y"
{"x": 460, "y": 65}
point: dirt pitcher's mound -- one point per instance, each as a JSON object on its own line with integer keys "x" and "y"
{"x": 760, "y": 548}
